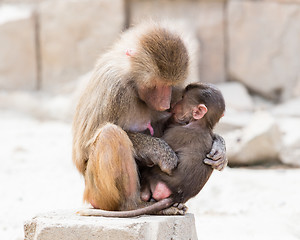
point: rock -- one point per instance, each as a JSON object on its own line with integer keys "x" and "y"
{"x": 239, "y": 107}
{"x": 290, "y": 150}
{"x": 71, "y": 41}
{"x": 287, "y": 116}
{"x": 233, "y": 120}
{"x": 39, "y": 105}
{"x": 258, "y": 142}
{"x": 289, "y": 108}
{"x": 262, "y": 104}
{"x": 17, "y": 47}
{"x": 204, "y": 18}
{"x": 264, "y": 46}
{"x": 236, "y": 96}
{"x": 44, "y": 105}
{"x": 69, "y": 226}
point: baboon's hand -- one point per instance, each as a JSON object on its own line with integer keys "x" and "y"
{"x": 176, "y": 209}
{"x": 152, "y": 150}
{"x": 217, "y": 156}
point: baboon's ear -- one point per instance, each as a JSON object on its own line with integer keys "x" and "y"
{"x": 130, "y": 52}
{"x": 199, "y": 111}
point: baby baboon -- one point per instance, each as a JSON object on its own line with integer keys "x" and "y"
{"x": 189, "y": 134}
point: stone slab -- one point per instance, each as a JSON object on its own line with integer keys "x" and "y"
{"x": 68, "y": 225}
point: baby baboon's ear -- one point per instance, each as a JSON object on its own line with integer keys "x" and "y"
{"x": 199, "y": 111}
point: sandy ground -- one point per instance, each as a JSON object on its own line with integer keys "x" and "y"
{"x": 37, "y": 176}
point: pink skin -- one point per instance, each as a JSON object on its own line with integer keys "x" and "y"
{"x": 150, "y": 128}
{"x": 145, "y": 194}
{"x": 140, "y": 127}
{"x": 161, "y": 191}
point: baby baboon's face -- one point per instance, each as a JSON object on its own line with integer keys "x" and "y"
{"x": 182, "y": 112}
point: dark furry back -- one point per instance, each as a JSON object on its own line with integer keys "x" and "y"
{"x": 191, "y": 173}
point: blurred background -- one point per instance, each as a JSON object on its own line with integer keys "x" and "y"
{"x": 249, "y": 49}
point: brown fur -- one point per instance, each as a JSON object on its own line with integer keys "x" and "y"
{"x": 112, "y": 178}
{"x": 163, "y": 54}
{"x": 103, "y": 153}
{"x": 192, "y": 142}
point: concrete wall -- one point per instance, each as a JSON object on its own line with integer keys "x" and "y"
{"x": 49, "y": 42}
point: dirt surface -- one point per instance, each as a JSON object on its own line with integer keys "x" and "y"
{"x": 37, "y": 175}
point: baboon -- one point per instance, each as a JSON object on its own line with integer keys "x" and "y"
{"x": 189, "y": 134}
{"x": 131, "y": 87}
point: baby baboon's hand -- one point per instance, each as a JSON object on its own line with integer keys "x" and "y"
{"x": 217, "y": 156}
